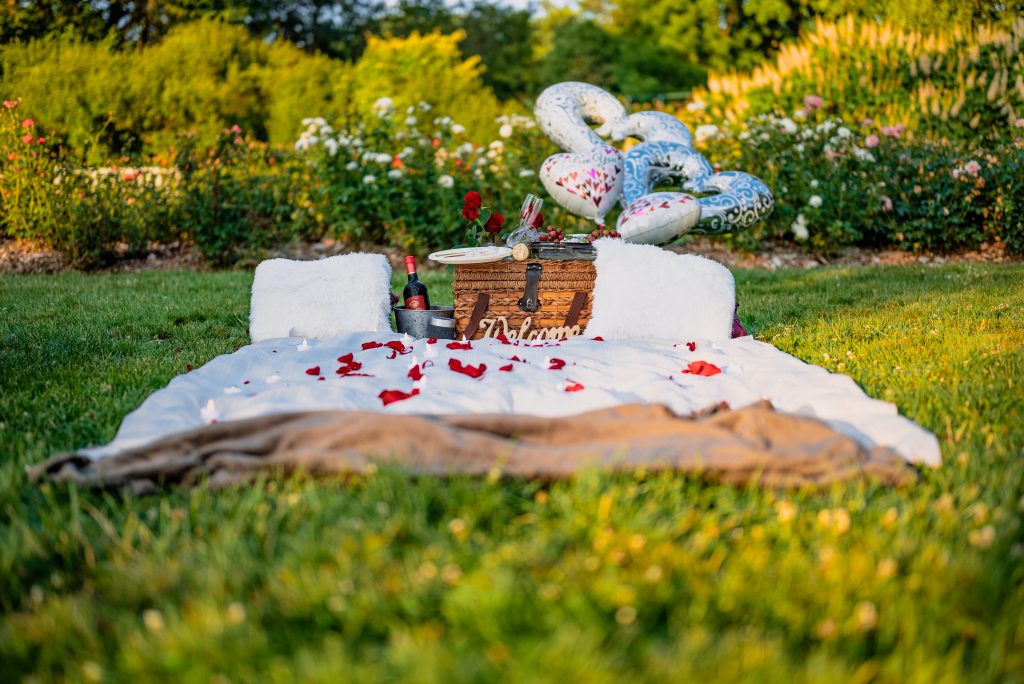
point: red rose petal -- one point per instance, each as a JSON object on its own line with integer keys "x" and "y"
{"x": 501, "y": 338}
{"x": 397, "y": 346}
{"x": 391, "y": 396}
{"x": 321, "y": 379}
{"x": 346, "y": 358}
{"x": 415, "y": 373}
{"x": 506, "y": 368}
{"x": 692, "y": 346}
{"x": 556, "y": 364}
{"x": 459, "y": 345}
{"x": 702, "y": 368}
{"x": 246, "y": 382}
{"x": 598, "y": 339}
{"x": 315, "y": 370}
{"x": 517, "y": 359}
{"x": 574, "y": 387}
{"x": 431, "y": 340}
{"x": 471, "y": 371}
{"x": 371, "y": 345}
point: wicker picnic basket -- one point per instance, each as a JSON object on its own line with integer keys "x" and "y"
{"x": 533, "y": 299}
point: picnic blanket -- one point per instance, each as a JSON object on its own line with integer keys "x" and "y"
{"x": 381, "y": 375}
{"x": 754, "y": 444}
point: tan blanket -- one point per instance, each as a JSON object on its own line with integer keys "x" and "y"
{"x": 750, "y": 445}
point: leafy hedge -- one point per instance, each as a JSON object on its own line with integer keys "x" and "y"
{"x": 208, "y": 75}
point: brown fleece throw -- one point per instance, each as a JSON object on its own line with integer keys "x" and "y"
{"x": 752, "y": 445}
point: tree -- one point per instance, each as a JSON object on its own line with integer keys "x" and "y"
{"x": 504, "y": 39}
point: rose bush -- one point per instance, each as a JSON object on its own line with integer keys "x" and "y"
{"x": 857, "y": 183}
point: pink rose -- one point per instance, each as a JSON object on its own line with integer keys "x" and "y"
{"x": 813, "y": 102}
{"x": 1019, "y": 123}
{"x": 28, "y": 123}
{"x": 867, "y": 122}
{"x": 27, "y": 138}
{"x": 973, "y": 168}
{"x": 871, "y": 141}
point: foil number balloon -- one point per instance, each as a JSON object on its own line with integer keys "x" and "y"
{"x": 564, "y": 110}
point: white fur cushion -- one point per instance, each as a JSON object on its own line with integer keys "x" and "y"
{"x": 320, "y": 299}
{"x": 645, "y": 292}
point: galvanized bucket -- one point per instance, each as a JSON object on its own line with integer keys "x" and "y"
{"x": 416, "y": 322}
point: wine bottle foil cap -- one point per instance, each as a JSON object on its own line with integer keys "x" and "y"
{"x": 410, "y": 264}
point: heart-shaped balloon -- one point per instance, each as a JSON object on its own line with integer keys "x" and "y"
{"x": 586, "y": 183}
{"x": 658, "y": 217}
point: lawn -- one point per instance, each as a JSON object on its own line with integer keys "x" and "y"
{"x": 595, "y": 579}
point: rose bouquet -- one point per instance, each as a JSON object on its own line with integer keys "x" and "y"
{"x": 481, "y": 231}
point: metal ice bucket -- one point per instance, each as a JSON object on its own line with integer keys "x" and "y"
{"x": 416, "y": 322}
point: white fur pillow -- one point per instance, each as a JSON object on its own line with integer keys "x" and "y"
{"x": 320, "y": 299}
{"x": 645, "y": 292}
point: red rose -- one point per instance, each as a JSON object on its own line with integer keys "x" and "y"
{"x": 471, "y": 205}
{"x": 494, "y": 223}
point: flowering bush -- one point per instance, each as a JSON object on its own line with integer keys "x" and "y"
{"x": 958, "y": 84}
{"x": 399, "y": 178}
{"x": 87, "y": 215}
{"x": 841, "y": 183}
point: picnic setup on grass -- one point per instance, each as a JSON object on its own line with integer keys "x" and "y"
{"x": 563, "y": 350}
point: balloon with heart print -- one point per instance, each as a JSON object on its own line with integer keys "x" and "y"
{"x": 586, "y": 183}
{"x": 564, "y": 110}
{"x": 658, "y": 217}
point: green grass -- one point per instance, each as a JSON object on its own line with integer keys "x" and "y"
{"x": 594, "y": 579}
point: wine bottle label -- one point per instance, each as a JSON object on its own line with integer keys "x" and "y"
{"x": 416, "y": 302}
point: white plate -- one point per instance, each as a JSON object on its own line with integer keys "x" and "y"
{"x": 471, "y": 255}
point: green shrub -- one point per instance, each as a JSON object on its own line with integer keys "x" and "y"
{"x": 236, "y": 198}
{"x": 838, "y": 183}
{"x": 957, "y": 84}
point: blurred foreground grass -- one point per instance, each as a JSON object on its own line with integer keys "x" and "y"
{"x": 596, "y": 579}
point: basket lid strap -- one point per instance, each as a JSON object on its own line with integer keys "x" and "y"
{"x": 483, "y": 300}
{"x": 579, "y": 300}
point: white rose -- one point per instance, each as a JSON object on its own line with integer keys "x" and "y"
{"x": 814, "y": 183}
{"x": 526, "y": 173}
{"x": 815, "y": 201}
{"x": 843, "y": 132}
{"x": 394, "y": 174}
{"x": 332, "y": 146}
{"x": 799, "y": 228}
{"x": 352, "y": 165}
{"x": 787, "y": 126}
{"x": 410, "y": 121}
{"x": 458, "y": 129}
{"x": 383, "y": 158}
{"x": 706, "y": 132}
{"x": 445, "y": 181}
{"x": 505, "y": 131}
{"x": 367, "y": 179}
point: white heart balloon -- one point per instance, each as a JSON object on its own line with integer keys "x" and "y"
{"x": 658, "y": 217}
{"x": 586, "y": 183}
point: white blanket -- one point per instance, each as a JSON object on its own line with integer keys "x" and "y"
{"x": 549, "y": 379}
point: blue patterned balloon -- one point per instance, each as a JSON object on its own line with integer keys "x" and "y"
{"x": 651, "y": 127}
{"x": 650, "y": 162}
{"x": 740, "y": 201}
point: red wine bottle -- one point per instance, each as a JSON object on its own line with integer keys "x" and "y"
{"x": 415, "y": 292}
